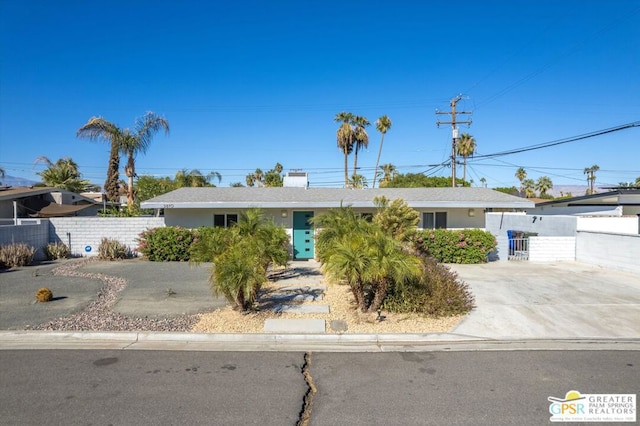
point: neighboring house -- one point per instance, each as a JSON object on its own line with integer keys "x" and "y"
{"x": 293, "y": 207}
{"x": 28, "y": 202}
{"x": 618, "y": 202}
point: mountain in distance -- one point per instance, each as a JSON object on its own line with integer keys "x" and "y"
{"x": 16, "y": 181}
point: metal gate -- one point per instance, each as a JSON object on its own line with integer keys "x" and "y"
{"x": 518, "y": 245}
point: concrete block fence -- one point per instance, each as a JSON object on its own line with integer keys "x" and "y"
{"x": 83, "y": 234}
{"x": 552, "y": 249}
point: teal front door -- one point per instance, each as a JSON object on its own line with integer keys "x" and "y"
{"x": 302, "y": 235}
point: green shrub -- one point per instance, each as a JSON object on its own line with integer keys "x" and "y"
{"x": 55, "y": 251}
{"x": 208, "y": 242}
{"x": 44, "y": 295}
{"x": 450, "y": 246}
{"x": 171, "y": 243}
{"x": 110, "y": 249}
{"x": 16, "y": 255}
{"x": 437, "y": 293}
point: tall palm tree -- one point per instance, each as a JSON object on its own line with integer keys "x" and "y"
{"x": 383, "y": 124}
{"x": 521, "y": 175}
{"x": 137, "y": 143}
{"x": 98, "y": 128}
{"x": 466, "y": 147}
{"x": 483, "y": 181}
{"x": 2, "y": 173}
{"x": 591, "y": 177}
{"x": 361, "y": 138}
{"x": 63, "y": 174}
{"x": 345, "y": 137}
{"x": 543, "y": 185}
{"x": 388, "y": 172}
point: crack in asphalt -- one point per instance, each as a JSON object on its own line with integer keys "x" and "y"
{"x": 307, "y": 400}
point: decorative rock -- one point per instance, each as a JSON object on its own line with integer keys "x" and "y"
{"x": 338, "y": 326}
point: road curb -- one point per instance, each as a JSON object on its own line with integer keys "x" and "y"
{"x": 447, "y": 342}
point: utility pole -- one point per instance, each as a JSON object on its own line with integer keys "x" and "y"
{"x": 454, "y": 133}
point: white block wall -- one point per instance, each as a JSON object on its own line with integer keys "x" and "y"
{"x": 615, "y": 251}
{"x": 552, "y": 249}
{"x": 83, "y": 234}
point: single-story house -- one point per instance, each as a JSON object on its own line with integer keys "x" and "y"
{"x": 27, "y": 202}
{"x": 617, "y": 202}
{"x": 292, "y": 207}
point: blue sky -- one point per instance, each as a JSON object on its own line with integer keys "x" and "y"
{"x": 246, "y": 84}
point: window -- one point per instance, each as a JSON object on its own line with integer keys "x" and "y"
{"x": 437, "y": 220}
{"x": 224, "y": 220}
{"x": 367, "y": 216}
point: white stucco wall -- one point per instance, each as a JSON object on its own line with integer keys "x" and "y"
{"x": 617, "y": 225}
{"x": 615, "y": 251}
{"x": 35, "y": 233}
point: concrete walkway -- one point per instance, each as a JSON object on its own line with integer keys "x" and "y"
{"x": 301, "y": 282}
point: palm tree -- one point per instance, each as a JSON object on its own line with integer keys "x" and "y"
{"x": 388, "y": 172}
{"x": 383, "y": 124}
{"x": 637, "y": 181}
{"x": 483, "y": 181}
{"x": 123, "y": 141}
{"x": 543, "y": 185}
{"x": 138, "y": 142}
{"x": 361, "y": 139}
{"x": 466, "y": 147}
{"x": 345, "y": 137}
{"x": 521, "y": 175}
{"x": 529, "y": 188}
{"x": 591, "y": 177}
{"x": 358, "y": 181}
{"x": 98, "y": 128}
{"x": 2, "y": 175}
{"x": 194, "y": 178}
{"x": 62, "y": 174}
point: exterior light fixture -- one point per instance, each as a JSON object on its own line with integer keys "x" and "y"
{"x": 283, "y": 213}
{"x": 472, "y": 212}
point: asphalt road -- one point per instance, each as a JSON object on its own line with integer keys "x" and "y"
{"x": 230, "y": 388}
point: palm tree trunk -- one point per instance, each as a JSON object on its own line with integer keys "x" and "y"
{"x": 111, "y": 184}
{"x": 346, "y": 168}
{"x": 355, "y": 161}
{"x": 358, "y": 294}
{"x": 380, "y": 293}
{"x": 375, "y": 171}
{"x": 130, "y": 171}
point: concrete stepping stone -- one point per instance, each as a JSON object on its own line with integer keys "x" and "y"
{"x": 302, "y": 309}
{"x": 293, "y": 297}
{"x": 294, "y": 325}
{"x": 300, "y": 287}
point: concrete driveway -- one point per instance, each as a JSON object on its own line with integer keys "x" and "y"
{"x": 525, "y": 300}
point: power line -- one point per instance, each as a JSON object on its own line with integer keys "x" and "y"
{"x": 561, "y": 141}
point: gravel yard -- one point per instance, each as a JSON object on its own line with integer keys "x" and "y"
{"x": 342, "y": 308}
{"x": 343, "y": 316}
